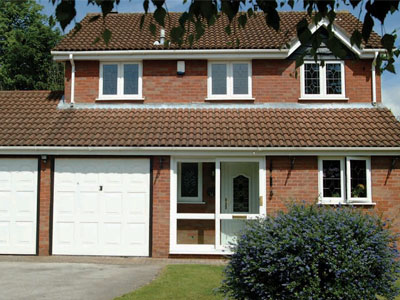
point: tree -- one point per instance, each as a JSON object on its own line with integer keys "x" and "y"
{"x": 25, "y": 44}
{"x": 201, "y": 13}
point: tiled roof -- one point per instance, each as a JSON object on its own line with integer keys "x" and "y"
{"x": 34, "y": 119}
{"x": 127, "y": 35}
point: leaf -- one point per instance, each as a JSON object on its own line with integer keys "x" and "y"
{"x": 387, "y": 41}
{"x": 356, "y": 38}
{"x": 354, "y": 3}
{"x": 390, "y": 67}
{"x": 94, "y": 18}
{"x": 177, "y": 34}
{"x": 78, "y": 27}
{"x": 146, "y": 6}
{"x": 250, "y": 12}
{"x": 106, "y": 36}
{"x": 228, "y": 30}
{"x": 152, "y": 28}
{"x": 303, "y": 32}
{"x": 159, "y": 15}
{"x": 142, "y": 21}
{"x": 96, "y": 40}
{"x": 242, "y": 20}
{"x": 367, "y": 27}
{"x": 106, "y": 7}
{"x": 65, "y": 12}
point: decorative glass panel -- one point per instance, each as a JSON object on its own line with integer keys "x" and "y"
{"x": 240, "y": 79}
{"x": 131, "y": 78}
{"x": 189, "y": 179}
{"x": 110, "y": 79}
{"x": 218, "y": 77}
{"x": 358, "y": 178}
{"x": 331, "y": 179}
{"x": 311, "y": 79}
{"x": 333, "y": 79}
{"x": 241, "y": 189}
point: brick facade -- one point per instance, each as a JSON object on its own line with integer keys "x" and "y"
{"x": 45, "y": 207}
{"x": 272, "y": 80}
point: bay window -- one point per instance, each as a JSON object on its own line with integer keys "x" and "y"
{"x": 119, "y": 81}
{"x": 229, "y": 80}
{"x": 344, "y": 180}
{"x": 323, "y": 81}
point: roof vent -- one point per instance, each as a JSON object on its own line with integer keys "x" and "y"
{"x": 162, "y": 38}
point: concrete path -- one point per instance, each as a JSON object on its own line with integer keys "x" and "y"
{"x": 79, "y": 277}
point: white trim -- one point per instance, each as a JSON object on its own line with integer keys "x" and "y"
{"x": 71, "y": 60}
{"x": 195, "y": 216}
{"x": 120, "y": 81}
{"x": 374, "y": 78}
{"x": 229, "y": 81}
{"x": 323, "y": 95}
{"x": 192, "y": 200}
{"x": 367, "y": 199}
{"x": 331, "y": 200}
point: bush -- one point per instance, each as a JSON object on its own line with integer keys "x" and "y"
{"x": 314, "y": 252}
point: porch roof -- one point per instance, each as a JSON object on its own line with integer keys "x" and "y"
{"x": 33, "y": 118}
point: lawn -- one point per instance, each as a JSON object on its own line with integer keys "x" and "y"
{"x": 181, "y": 282}
{"x": 184, "y": 282}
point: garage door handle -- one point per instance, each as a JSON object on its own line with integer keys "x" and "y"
{"x": 101, "y": 188}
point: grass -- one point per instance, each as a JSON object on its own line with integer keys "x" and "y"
{"x": 181, "y": 282}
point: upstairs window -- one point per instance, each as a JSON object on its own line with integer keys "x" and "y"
{"x": 323, "y": 81}
{"x": 119, "y": 81}
{"x": 229, "y": 80}
{"x": 345, "y": 180}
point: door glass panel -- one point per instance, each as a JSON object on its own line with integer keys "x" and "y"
{"x": 230, "y": 230}
{"x": 197, "y": 232}
{"x": 241, "y": 190}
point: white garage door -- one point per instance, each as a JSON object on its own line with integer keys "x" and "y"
{"x": 18, "y": 205}
{"x": 101, "y": 207}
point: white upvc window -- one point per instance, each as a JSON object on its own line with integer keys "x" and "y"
{"x": 344, "y": 180}
{"x": 229, "y": 80}
{"x": 190, "y": 182}
{"x": 120, "y": 81}
{"x": 321, "y": 81}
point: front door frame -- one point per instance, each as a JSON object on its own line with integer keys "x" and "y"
{"x": 217, "y": 248}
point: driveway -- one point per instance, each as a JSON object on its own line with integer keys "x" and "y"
{"x": 30, "y": 279}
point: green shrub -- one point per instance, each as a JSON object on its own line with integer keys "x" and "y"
{"x": 314, "y": 252}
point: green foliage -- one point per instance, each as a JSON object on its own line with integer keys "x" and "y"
{"x": 25, "y": 44}
{"x": 314, "y": 252}
{"x": 204, "y": 13}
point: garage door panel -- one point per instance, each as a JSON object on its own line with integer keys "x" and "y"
{"x": 111, "y": 199}
{"x": 18, "y": 205}
{"x": 65, "y": 233}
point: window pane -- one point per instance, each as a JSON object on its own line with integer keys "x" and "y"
{"x": 333, "y": 79}
{"x": 189, "y": 180}
{"x": 110, "y": 78}
{"x": 358, "y": 178}
{"x": 218, "y": 77}
{"x": 131, "y": 78}
{"x": 311, "y": 79}
{"x": 331, "y": 179}
{"x": 240, "y": 79}
{"x": 197, "y": 232}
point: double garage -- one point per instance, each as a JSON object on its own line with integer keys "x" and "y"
{"x": 99, "y": 206}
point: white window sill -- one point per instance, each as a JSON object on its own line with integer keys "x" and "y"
{"x": 188, "y": 202}
{"x": 229, "y": 98}
{"x": 122, "y": 98}
{"x": 322, "y": 98}
{"x": 348, "y": 203}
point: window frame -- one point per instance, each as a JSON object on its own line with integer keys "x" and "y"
{"x": 323, "y": 95}
{"x": 229, "y": 81}
{"x": 367, "y": 160}
{"x": 191, "y": 200}
{"x": 345, "y": 181}
{"x": 331, "y": 200}
{"x": 120, "y": 81}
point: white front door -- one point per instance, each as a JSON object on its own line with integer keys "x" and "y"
{"x": 239, "y": 197}
{"x": 18, "y": 205}
{"x": 101, "y": 207}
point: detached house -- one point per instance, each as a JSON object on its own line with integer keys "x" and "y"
{"x": 162, "y": 151}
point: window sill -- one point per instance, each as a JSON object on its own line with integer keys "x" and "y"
{"x": 120, "y": 98}
{"x": 188, "y": 202}
{"x": 348, "y": 204}
{"x": 230, "y": 99}
{"x": 324, "y": 98}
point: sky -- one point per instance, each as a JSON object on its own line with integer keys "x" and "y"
{"x": 390, "y": 82}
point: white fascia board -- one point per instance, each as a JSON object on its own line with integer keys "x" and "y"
{"x": 124, "y": 55}
{"x": 202, "y": 151}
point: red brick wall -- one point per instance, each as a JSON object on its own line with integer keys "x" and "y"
{"x": 86, "y": 81}
{"x": 299, "y": 184}
{"x": 161, "y": 195}
{"x": 273, "y": 81}
{"x": 44, "y": 208}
